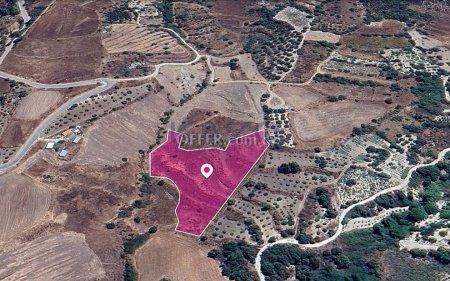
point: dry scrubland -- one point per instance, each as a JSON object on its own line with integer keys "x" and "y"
{"x": 181, "y": 82}
{"x": 246, "y": 69}
{"x": 22, "y": 204}
{"x": 59, "y": 257}
{"x": 58, "y": 50}
{"x": 205, "y": 31}
{"x": 177, "y": 258}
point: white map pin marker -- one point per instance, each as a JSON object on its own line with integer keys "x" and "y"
{"x": 206, "y": 170}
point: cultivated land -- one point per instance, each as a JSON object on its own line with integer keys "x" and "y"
{"x": 328, "y": 122}
{"x": 63, "y": 256}
{"x": 59, "y": 51}
{"x": 184, "y": 255}
{"x": 36, "y": 104}
{"x": 22, "y": 204}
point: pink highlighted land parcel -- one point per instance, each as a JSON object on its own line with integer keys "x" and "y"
{"x": 202, "y": 197}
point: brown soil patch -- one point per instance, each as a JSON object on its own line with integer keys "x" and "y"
{"x": 4, "y": 86}
{"x": 387, "y": 27}
{"x": 22, "y": 204}
{"x": 36, "y": 104}
{"x": 64, "y": 45}
{"x": 176, "y": 257}
{"x": 232, "y": 14}
{"x": 307, "y": 63}
{"x": 298, "y": 97}
{"x": 373, "y": 44}
{"x": 357, "y": 45}
{"x": 333, "y": 121}
{"x": 212, "y": 131}
{"x": 56, "y": 257}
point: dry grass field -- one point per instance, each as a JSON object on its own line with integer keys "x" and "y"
{"x": 177, "y": 258}
{"x": 322, "y": 36}
{"x": 239, "y": 101}
{"x": 136, "y": 39}
{"x": 333, "y": 120}
{"x": 232, "y": 14}
{"x": 59, "y": 257}
{"x": 58, "y": 50}
{"x": 298, "y": 97}
{"x": 22, "y": 204}
{"x": 36, "y": 104}
{"x": 124, "y": 132}
{"x": 246, "y": 69}
{"x": 181, "y": 82}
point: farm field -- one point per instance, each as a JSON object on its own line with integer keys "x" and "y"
{"x": 135, "y": 125}
{"x": 36, "y": 104}
{"x": 322, "y": 36}
{"x": 133, "y": 38}
{"x": 22, "y": 204}
{"x": 331, "y": 121}
{"x": 59, "y": 51}
{"x": 185, "y": 257}
{"x": 238, "y": 101}
{"x": 97, "y": 106}
{"x": 57, "y": 257}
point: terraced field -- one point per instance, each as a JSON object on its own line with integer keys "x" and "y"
{"x": 133, "y": 38}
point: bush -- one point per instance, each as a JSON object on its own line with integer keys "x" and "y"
{"x": 130, "y": 273}
{"x": 132, "y": 244}
{"x": 110, "y": 225}
{"x": 418, "y": 253}
{"x": 289, "y": 168}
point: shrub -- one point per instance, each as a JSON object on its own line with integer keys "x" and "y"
{"x": 289, "y": 168}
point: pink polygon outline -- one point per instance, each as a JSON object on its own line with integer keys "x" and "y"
{"x": 179, "y": 196}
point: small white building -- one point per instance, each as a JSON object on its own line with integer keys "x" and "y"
{"x": 76, "y": 140}
{"x": 50, "y": 145}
